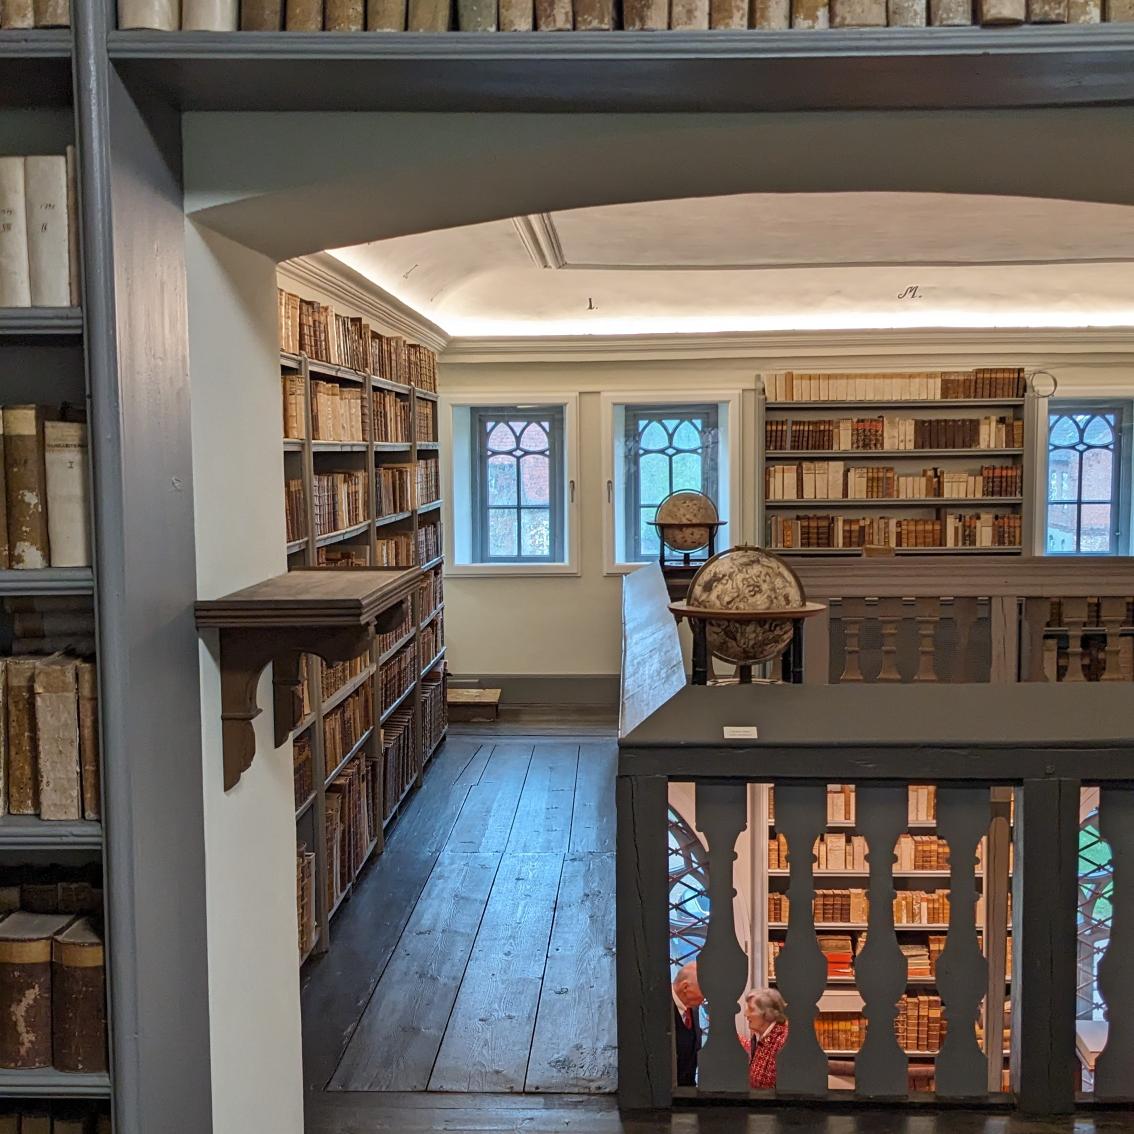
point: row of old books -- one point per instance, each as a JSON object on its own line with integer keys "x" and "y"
{"x": 432, "y": 592}
{"x": 303, "y": 768}
{"x": 922, "y": 907}
{"x": 841, "y": 803}
{"x": 392, "y": 416}
{"x": 22, "y": 14}
{"x": 39, "y": 236}
{"x": 839, "y": 852}
{"x": 393, "y": 491}
{"x": 49, "y": 758}
{"x": 920, "y": 1025}
{"x": 52, "y": 991}
{"x": 589, "y": 15}
{"x": 55, "y": 1117}
{"x": 397, "y": 676}
{"x": 335, "y": 677}
{"x": 428, "y": 542}
{"x": 387, "y": 639}
{"x": 45, "y": 498}
{"x": 426, "y": 414}
{"x": 342, "y": 556}
{"x": 959, "y": 529}
{"x": 832, "y": 480}
{"x": 891, "y": 434}
{"x": 340, "y": 500}
{"x": 394, "y": 549}
{"x": 428, "y": 481}
{"x": 434, "y": 707}
{"x": 399, "y": 755}
{"x": 838, "y": 907}
{"x": 305, "y": 899}
{"x": 295, "y": 509}
{"x": 351, "y": 824}
{"x": 344, "y": 726}
{"x": 938, "y": 385}
{"x": 432, "y": 639}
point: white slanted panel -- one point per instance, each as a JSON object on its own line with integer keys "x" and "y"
{"x": 1114, "y": 1068}
{"x": 962, "y": 971}
{"x": 880, "y": 970}
{"x": 722, "y": 968}
{"x": 801, "y": 968}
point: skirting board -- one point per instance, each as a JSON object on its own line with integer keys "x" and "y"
{"x": 546, "y": 688}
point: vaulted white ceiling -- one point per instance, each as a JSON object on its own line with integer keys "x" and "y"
{"x": 769, "y": 262}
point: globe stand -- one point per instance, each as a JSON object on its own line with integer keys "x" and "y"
{"x": 683, "y": 560}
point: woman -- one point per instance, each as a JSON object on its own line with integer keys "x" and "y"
{"x": 764, "y": 1010}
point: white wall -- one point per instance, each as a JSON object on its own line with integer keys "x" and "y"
{"x": 250, "y": 830}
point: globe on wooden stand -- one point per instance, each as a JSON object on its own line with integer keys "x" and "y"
{"x": 686, "y": 523}
{"x": 746, "y": 606}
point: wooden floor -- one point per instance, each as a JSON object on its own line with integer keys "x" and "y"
{"x": 477, "y": 953}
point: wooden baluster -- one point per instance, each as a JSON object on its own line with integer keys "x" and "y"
{"x": 801, "y": 968}
{"x": 722, "y": 967}
{"x": 962, "y": 971}
{"x": 880, "y": 970}
{"x": 852, "y": 634}
{"x": 1114, "y": 1068}
{"x": 1112, "y": 615}
{"x": 1052, "y": 640}
{"x": 928, "y": 614}
{"x": 1126, "y": 657}
{"x": 889, "y": 617}
{"x": 1075, "y": 618}
{"x": 962, "y": 619}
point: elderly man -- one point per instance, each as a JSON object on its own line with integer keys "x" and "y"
{"x": 687, "y": 999}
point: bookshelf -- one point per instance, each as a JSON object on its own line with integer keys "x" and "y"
{"x": 378, "y": 436}
{"x": 935, "y": 462}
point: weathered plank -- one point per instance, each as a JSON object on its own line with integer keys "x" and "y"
{"x": 543, "y": 817}
{"x": 485, "y": 821}
{"x": 489, "y": 1032}
{"x": 592, "y": 822}
{"x": 397, "y": 1039}
{"x": 574, "y": 1048}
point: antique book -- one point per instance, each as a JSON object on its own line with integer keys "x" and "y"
{"x": 1047, "y": 11}
{"x": 57, "y": 738}
{"x": 386, "y": 15}
{"x": 858, "y": 13}
{"x": 52, "y": 13}
{"x": 15, "y": 282}
{"x": 68, "y": 505}
{"x": 74, "y": 267}
{"x": 645, "y": 15}
{"x": 728, "y": 14}
{"x": 949, "y": 14}
{"x": 5, "y": 559}
{"x": 774, "y": 15}
{"x": 48, "y": 242}
{"x": 17, "y": 14}
{"x": 344, "y": 15}
{"x": 74, "y": 1118}
{"x": 4, "y": 741}
{"x": 261, "y": 15}
{"x": 209, "y": 15}
{"x": 477, "y": 15}
{"x": 689, "y": 15}
{"x": 590, "y": 15}
{"x": 36, "y": 1122}
{"x": 25, "y": 480}
{"x": 78, "y": 999}
{"x": 22, "y": 776}
{"x": 992, "y": 13}
{"x": 153, "y": 15}
{"x": 429, "y": 16}
{"x": 88, "y": 740}
{"x": 554, "y": 15}
{"x": 1084, "y": 11}
{"x": 304, "y": 15}
{"x": 810, "y": 14}
{"x": 25, "y": 988}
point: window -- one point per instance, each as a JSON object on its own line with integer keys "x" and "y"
{"x": 517, "y": 479}
{"x": 1095, "y": 912}
{"x": 688, "y": 893}
{"x": 1084, "y": 483}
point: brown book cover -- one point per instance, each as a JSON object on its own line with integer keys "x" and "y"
{"x": 23, "y": 777}
{"x": 594, "y": 15}
{"x": 35, "y": 1122}
{"x": 515, "y": 15}
{"x": 17, "y": 14}
{"x": 344, "y": 15}
{"x": 645, "y": 15}
{"x": 430, "y": 15}
{"x": 57, "y": 738}
{"x": 25, "y": 479}
{"x": 554, "y": 15}
{"x": 52, "y": 13}
{"x": 261, "y": 15}
{"x": 89, "y": 741}
{"x": 78, "y": 1000}
{"x": 304, "y": 15}
{"x": 25, "y": 988}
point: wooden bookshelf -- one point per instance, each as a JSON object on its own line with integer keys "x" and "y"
{"x": 304, "y": 458}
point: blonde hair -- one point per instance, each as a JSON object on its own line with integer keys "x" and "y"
{"x": 768, "y": 1002}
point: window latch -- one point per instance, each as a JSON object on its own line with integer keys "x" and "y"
{"x": 571, "y": 485}
{"x": 610, "y": 491}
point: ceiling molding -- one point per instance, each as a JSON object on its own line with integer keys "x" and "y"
{"x": 343, "y": 284}
{"x": 862, "y": 348}
{"x": 540, "y": 239}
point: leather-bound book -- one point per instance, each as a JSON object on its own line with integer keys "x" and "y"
{"x": 261, "y": 15}
{"x": 151, "y": 15}
{"x": 23, "y": 779}
{"x": 477, "y": 15}
{"x": 993, "y": 13}
{"x": 344, "y": 15}
{"x": 25, "y": 988}
{"x": 592, "y": 15}
{"x": 554, "y": 15}
{"x": 52, "y": 13}
{"x": 810, "y": 14}
{"x": 57, "y": 738}
{"x": 9, "y": 1114}
{"x": 645, "y": 15}
{"x": 35, "y": 1121}
{"x": 384, "y": 15}
{"x": 774, "y": 15}
{"x": 1047, "y": 11}
{"x": 17, "y": 14}
{"x": 73, "y": 1118}
{"x": 430, "y": 15}
{"x": 728, "y": 14}
{"x": 689, "y": 15}
{"x": 304, "y": 15}
{"x": 25, "y": 480}
{"x": 950, "y": 13}
{"x": 1084, "y": 11}
{"x": 519, "y": 15}
{"x": 78, "y": 999}
{"x": 858, "y": 13}
{"x": 210, "y": 15}
{"x": 88, "y": 740}
{"x": 68, "y": 504}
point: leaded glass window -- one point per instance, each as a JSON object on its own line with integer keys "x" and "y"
{"x": 668, "y": 448}
{"x": 517, "y": 481}
{"x": 688, "y": 893}
{"x": 1095, "y": 914}
{"x": 1083, "y": 479}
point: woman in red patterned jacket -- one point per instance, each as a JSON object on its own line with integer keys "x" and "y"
{"x": 764, "y": 1010}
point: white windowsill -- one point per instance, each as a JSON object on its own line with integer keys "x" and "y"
{"x": 511, "y": 570}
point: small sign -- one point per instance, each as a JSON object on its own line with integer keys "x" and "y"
{"x": 740, "y": 732}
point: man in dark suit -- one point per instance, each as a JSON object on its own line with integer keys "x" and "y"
{"x": 687, "y": 1000}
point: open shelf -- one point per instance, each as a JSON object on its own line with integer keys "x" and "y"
{"x": 46, "y": 1082}
{"x": 35, "y": 68}
{"x": 875, "y": 454}
{"x": 386, "y": 384}
{"x": 962, "y": 502}
{"x": 318, "y": 447}
{"x": 345, "y": 533}
{"x": 36, "y": 321}
{"x": 888, "y": 403}
{"x": 397, "y": 701}
{"x": 439, "y": 657}
{"x": 393, "y": 518}
{"x": 29, "y": 832}
{"x": 392, "y": 446}
{"x": 48, "y": 581}
{"x": 293, "y": 445}
{"x": 296, "y": 545}
{"x": 436, "y": 561}
{"x": 430, "y": 507}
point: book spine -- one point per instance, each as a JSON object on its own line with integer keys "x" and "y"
{"x": 16, "y": 14}
{"x": 5, "y": 557}
{"x": 25, "y": 1003}
{"x": 772, "y": 15}
{"x": 645, "y": 15}
{"x": 49, "y": 258}
{"x": 210, "y": 15}
{"x": 1084, "y": 11}
{"x": 592, "y": 15}
{"x": 554, "y": 15}
{"x": 78, "y": 1007}
{"x": 1119, "y": 11}
{"x": 57, "y": 739}
{"x": 153, "y": 15}
{"x": 992, "y": 13}
{"x": 689, "y": 15}
{"x": 728, "y": 14}
{"x": 430, "y": 15}
{"x": 386, "y": 15}
{"x": 74, "y": 267}
{"x": 25, "y": 478}
{"x": 3, "y": 736}
{"x": 950, "y": 13}
{"x": 22, "y": 778}
{"x": 52, "y": 13}
{"x": 88, "y": 740}
{"x": 477, "y": 15}
{"x": 15, "y": 283}
{"x": 68, "y": 516}
{"x": 261, "y": 15}
{"x": 1047, "y": 11}
{"x": 344, "y": 15}
{"x": 810, "y": 14}
{"x": 304, "y": 15}
{"x": 858, "y": 13}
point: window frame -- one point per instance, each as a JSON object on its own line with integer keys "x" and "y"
{"x": 710, "y": 469}
{"x": 1121, "y": 474}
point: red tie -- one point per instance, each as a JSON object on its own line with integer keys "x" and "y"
{"x": 687, "y": 1017}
